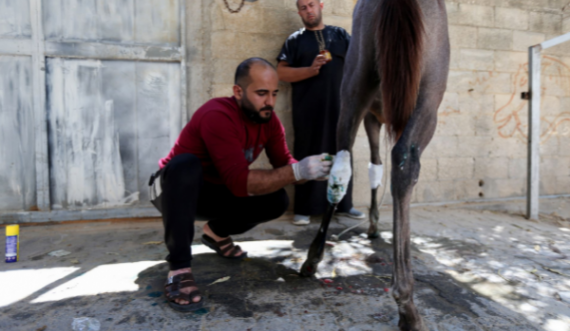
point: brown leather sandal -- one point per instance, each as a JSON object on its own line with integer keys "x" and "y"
{"x": 172, "y": 292}
{"x": 217, "y": 246}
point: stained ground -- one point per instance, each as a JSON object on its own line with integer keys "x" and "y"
{"x": 477, "y": 267}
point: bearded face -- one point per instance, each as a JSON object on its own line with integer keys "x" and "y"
{"x": 310, "y": 12}
{"x": 262, "y": 115}
{"x": 256, "y": 91}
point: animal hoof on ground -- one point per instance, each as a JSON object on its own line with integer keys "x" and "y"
{"x": 374, "y": 235}
{"x": 406, "y": 328}
{"x": 373, "y": 231}
{"x": 308, "y": 269}
{"x": 403, "y": 325}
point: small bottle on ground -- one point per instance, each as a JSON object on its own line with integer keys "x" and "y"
{"x": 12, "y": 243}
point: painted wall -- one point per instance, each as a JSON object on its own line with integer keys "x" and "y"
{"x": 15, "y": 19}
{"x": 108, "y": 120}
{"x": 113, "y": 21}
{"x": 123, "y": 114}
{"x": 17, "y": 168}
{"x": 109, "y": 123}
{"x": 480, "y": 144}
{"x": 479, "y": 149}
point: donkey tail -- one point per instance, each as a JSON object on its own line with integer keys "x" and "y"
{"x": 399, "y": 45}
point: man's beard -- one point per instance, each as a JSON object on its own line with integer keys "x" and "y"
{"x": 316, "y": 22}
{"x": 254, "y": 115}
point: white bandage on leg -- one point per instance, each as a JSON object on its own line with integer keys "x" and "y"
{"x": 375, "y": 173}
{"x": 339, "y": 177}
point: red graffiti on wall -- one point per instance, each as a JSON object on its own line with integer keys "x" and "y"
{"x": 512, "y": 118}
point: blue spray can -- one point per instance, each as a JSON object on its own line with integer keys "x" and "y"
{"x": 12, "y": 243}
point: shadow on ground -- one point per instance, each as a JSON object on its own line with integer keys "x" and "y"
{"x": 119, "y": 280}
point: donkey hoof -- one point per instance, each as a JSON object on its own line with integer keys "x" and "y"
{"x": 406, "y": 327}
{"x": 374, "y": 235}
{"x": 412, "y": 323}
{"x": 308, "y": 269}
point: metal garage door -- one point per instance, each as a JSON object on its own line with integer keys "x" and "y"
{"x": 91, "y": 96}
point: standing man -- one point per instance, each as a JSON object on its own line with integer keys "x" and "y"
{"x": 312, "y": 60}
{"x": 206, "y": 173}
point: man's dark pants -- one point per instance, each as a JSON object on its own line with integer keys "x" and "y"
{"x": 185, "y": 194}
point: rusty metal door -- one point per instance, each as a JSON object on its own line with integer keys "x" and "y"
{"x": 92, "y": 95}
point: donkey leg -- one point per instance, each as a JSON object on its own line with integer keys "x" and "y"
{"x": 405, "y": 172}
{"x": 404, "y": 175}
{"x": 358, "y": 87}
{"x": 372, "y": 126}
{"x": 317, "y": 249}
{"x": 360, "y": 83}
{"x": 373, "y": 215}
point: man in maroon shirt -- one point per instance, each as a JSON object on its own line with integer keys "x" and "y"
{"x": 207, "y": 173}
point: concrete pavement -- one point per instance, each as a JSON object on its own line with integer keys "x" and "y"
{"x": 477, "y": 267}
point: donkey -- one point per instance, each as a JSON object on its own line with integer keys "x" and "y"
{"x": 399, "y": 49}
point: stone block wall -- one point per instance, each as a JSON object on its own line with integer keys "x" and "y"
{"x": 479, "y": 149}
{"x": 482, "y": 119}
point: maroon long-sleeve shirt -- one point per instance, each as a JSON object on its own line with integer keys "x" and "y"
{"x": 227, "y": 142}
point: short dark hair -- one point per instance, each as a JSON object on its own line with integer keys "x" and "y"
{"x": 242, "y": 77}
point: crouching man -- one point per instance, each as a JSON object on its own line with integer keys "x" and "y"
{"x": 206, "y": 173}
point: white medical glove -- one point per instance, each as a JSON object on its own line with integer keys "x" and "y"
{"x": 312, "y": 167}
{"x": 339, "y": 177}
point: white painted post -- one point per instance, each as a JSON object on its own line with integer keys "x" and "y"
{"x": 533, "y": 177}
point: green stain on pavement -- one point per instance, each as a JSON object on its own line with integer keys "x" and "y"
{"x": 154, "y": 294}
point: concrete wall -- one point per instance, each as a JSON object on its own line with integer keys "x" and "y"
{"x": 478, "y": 152}
{"x": 480, "y": 144}
{"x": 479, "y": 149}
{"x": 218, "y": 41}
